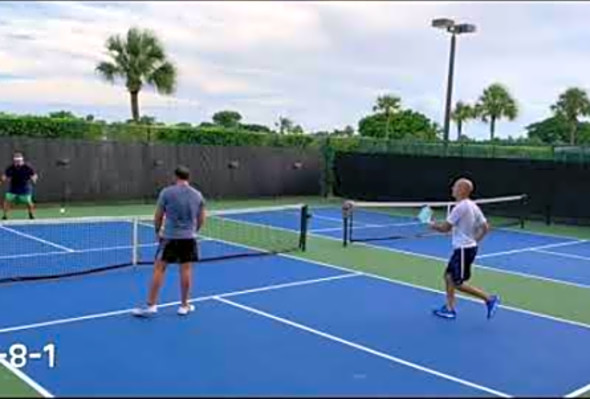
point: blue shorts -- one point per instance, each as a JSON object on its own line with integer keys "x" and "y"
{"x": 459, "y": 267}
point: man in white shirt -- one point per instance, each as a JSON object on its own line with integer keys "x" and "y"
{"x": 469, "y": 226}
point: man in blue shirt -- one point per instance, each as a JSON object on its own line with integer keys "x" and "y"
{"x": 22, "y": 176}
{"x": 181, "y": 211}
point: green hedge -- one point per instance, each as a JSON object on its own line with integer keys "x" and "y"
{"x": 43, "y": 127}
{"x": 69, "y": 128}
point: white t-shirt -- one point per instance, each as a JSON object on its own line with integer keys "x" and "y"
{"x": 466, "y": 219}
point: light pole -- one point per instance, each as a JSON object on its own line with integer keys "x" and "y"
{"x": 454, "y": 29}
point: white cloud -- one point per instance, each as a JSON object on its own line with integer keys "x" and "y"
{"x": 66, "y": 90}
{"x": 323, "y": 63}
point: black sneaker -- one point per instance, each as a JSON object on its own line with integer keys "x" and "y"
{"x": 31, "y": 217}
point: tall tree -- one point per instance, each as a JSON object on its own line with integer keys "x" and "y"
{"x": 555, "y": 130}
{"x": 389, "y": 105}
{"x": 406, "y": 124}
{"x": 139, "y": 59}
{"x": 62, "y": 115}
{"x": 461, "y": 114}
{"x": 227, "y": 119}
{"x": 570, "y": 105}
{"x": 254, "y": 127}
{"x": 496, "y": 103}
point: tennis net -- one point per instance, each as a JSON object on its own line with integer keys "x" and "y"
{"x": 54, "y": 248}
{"x": 374, "y": 221}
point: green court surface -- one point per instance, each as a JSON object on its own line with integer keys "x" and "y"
{"x": 537, "y": 295}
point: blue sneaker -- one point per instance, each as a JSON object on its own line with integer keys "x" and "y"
{"x": 492, "y": 305}
{"x": 445, "y": 313}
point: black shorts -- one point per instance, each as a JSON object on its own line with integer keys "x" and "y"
{"x": 178, "y": 251}
{"x": 459, "y": 267}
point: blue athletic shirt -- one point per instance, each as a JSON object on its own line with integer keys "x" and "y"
{"x": 181, "y": 205}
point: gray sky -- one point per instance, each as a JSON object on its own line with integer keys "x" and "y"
{"x": 321, "y": 64}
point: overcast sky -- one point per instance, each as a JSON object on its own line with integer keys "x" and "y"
{"x": 321, "y": 64}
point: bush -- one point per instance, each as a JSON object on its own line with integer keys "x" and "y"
{"x": 45, "y": 127}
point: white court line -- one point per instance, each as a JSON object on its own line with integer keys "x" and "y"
{"x": 361, "y": 223}
{"x": 352, "y": 273}
{"x": 325, "y": 229}
{"x": 376, "y": 226}
{"x": 565, "y": 255}
{"x": 73, "y": 252}
{"x": 424, "y": 288}
{"x": 365, "y": 224}
{"x": 509, "y": 229}
{"x": 528, "y": 249}
{"x": 479, "y": 266}
{"x": 542, "y": 234}
{"x": 368, "y": 226}
{"x": 362, "y": 348}
{"x": 578, "y": 392}
{"x": 436, "y": 291}
{"x": 348, "y": 274}
{"x": 436, "y": 258}
{"x": 26, "y": 379}
{"x": 18, "y": 233}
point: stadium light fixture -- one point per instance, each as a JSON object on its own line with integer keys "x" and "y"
{"x": 443, "y": 23}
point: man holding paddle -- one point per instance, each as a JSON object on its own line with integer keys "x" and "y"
{"x": 469, "y": 226}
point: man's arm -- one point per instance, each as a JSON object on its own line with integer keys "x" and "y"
{"x": 159, "y": 214}
{"x": 443, "y": 227}
{"x": 482, "y": 231}
{"x": 33, "y": 174}
{"x": 452, "y": 219}
{"x": 6, "y": 175}
{"x": 158, "y": 219}
{"x": 483, "y": 225}
{"x": 201, "y": 217}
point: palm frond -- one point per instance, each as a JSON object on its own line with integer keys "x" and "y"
{"x": 164, "y": 78}
{"x": 108, "y": 71}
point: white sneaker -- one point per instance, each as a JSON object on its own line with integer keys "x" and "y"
{"x": 184, "y": 310}
{"x": 145, "y": 311}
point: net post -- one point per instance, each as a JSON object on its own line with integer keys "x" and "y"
{"x": 346, "y": 223}
{"x": 524, "y": 210}
{"x": 305, "y": 216}
{"x": 135, "y": 242}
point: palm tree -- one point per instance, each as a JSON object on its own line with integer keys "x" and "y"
{"x": 139, "y": 59}
{"x": 461, "y": 114}
{"x": 285, "y": 125}
{"x": 496, "y": 103}
{"x": 570, "y": 105}
{"x": 389, "y": 105}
